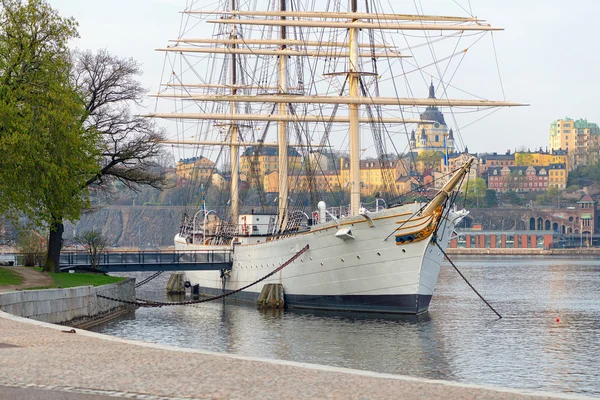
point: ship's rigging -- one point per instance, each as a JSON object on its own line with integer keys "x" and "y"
{"x": 305, "y": 73}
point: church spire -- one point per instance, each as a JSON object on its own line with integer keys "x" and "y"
{"x": 432, "y": 91}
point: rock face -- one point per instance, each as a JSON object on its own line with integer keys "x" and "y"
{"x": 131, "y": 226}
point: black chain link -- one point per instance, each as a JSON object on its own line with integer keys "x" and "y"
{"x": 148, "y": 279}
{"x": 150, "y": 303}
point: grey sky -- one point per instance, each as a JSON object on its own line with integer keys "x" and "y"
{"x": 548, "y": 56}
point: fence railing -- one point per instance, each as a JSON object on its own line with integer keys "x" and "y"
{"x": 147, "y": 258}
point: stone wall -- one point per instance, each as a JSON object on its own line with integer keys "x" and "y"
{"x": 72, "y": 305}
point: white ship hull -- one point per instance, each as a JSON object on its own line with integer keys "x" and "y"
{"x": 366, "y": 273}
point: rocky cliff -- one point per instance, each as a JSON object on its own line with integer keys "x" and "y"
{"x": 131, "y": 226}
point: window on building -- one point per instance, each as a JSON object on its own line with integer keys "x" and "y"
{"x": 510, "y": 242}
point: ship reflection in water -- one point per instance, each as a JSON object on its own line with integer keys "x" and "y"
{"x": 458, "y": 340}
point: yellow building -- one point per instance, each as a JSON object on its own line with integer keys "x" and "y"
{"x": 580, "y": 138}
{"x": 196, "y": 168}
{"x": 371, "y": 175}
{"x": 542, "y": 158}
{"x": 266, "y": 160}
{"x": 222, "y": 181}
{"x": 558, "y": 176}
{"x": 322, "y": 181}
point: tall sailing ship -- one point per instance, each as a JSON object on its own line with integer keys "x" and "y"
{"x": 279, "y": 76}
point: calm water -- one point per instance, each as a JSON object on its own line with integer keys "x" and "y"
{"x": 459, "y": 340}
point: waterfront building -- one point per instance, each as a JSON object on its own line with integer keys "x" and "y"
{"x": 194, "y": 169}
{"x": 580, "y": 138}
{"x": 477, "y": 239}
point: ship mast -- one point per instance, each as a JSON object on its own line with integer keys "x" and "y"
{"x": 235, "y": 138}
{"x": 282, "y": 137}
{"x": 354, "y": 78}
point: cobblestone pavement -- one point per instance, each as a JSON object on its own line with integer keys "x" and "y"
{"x": 43, "y": 361}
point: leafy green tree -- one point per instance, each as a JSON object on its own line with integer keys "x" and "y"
{"x": 524, "y": 159}
{"x": 475, "y": 193}
{"x": 553, "y": 195}
{"x": 429, "y": 159}
{"x": 490, "y": 199}
{"x": 47, "y": 157}
{"x": 513, "y": 198}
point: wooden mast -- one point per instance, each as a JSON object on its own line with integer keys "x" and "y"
{"x": 282, "y": 135}
{"x": 235, "y": 138}
{"x": 354, "y": 78}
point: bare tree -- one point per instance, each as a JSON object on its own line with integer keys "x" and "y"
{"x": 130, "y": 144}
{"x": 94, "y": 243}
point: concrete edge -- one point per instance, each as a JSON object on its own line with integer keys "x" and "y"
{"x": 315, "y": 367}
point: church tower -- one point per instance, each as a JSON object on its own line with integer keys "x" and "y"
{"x": 434, "y": 134}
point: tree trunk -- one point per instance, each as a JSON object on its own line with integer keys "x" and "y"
{"x": 54, "y": 246}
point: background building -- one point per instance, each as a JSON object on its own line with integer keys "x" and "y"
{"x": 432, "y": 133}
{"x": 196, "y": 168}
{"x": 580, "y": 138}
{"x": 266, "y": 160}
{"x": 518, "y": 178}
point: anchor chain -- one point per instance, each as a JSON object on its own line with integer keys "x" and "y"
{"x": 150, "y": 303}
{"x": 148, "y": 279}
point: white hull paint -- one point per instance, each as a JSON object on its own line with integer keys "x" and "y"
{"x": 366, "y": 273}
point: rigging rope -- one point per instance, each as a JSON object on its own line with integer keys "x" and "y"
{"x": 467, "y": 281}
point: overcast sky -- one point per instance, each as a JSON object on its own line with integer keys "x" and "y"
{"x": 548, "y": 55}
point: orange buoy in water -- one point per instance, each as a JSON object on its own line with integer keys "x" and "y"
{"x": 557, "y": 319}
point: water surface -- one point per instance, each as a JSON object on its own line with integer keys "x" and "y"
{"x": 460, "y": 339}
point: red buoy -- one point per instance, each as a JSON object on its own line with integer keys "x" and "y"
{"x": 557, "y": 319}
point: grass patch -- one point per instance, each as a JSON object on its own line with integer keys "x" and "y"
{"x": 66, "y": 280}
{"x": 8, "y": 277}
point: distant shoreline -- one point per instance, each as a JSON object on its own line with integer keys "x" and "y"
{"x": 588, "y": 251}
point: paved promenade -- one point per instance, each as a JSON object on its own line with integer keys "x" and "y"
{"x": 43, "y": 361}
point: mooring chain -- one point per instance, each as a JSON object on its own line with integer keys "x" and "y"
{"x": 148, "y": 279}
{"x": 150, "y": 303}
{"x": 465, "y": 279}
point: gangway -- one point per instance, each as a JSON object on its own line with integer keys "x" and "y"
{"x": 208, "y": 260}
